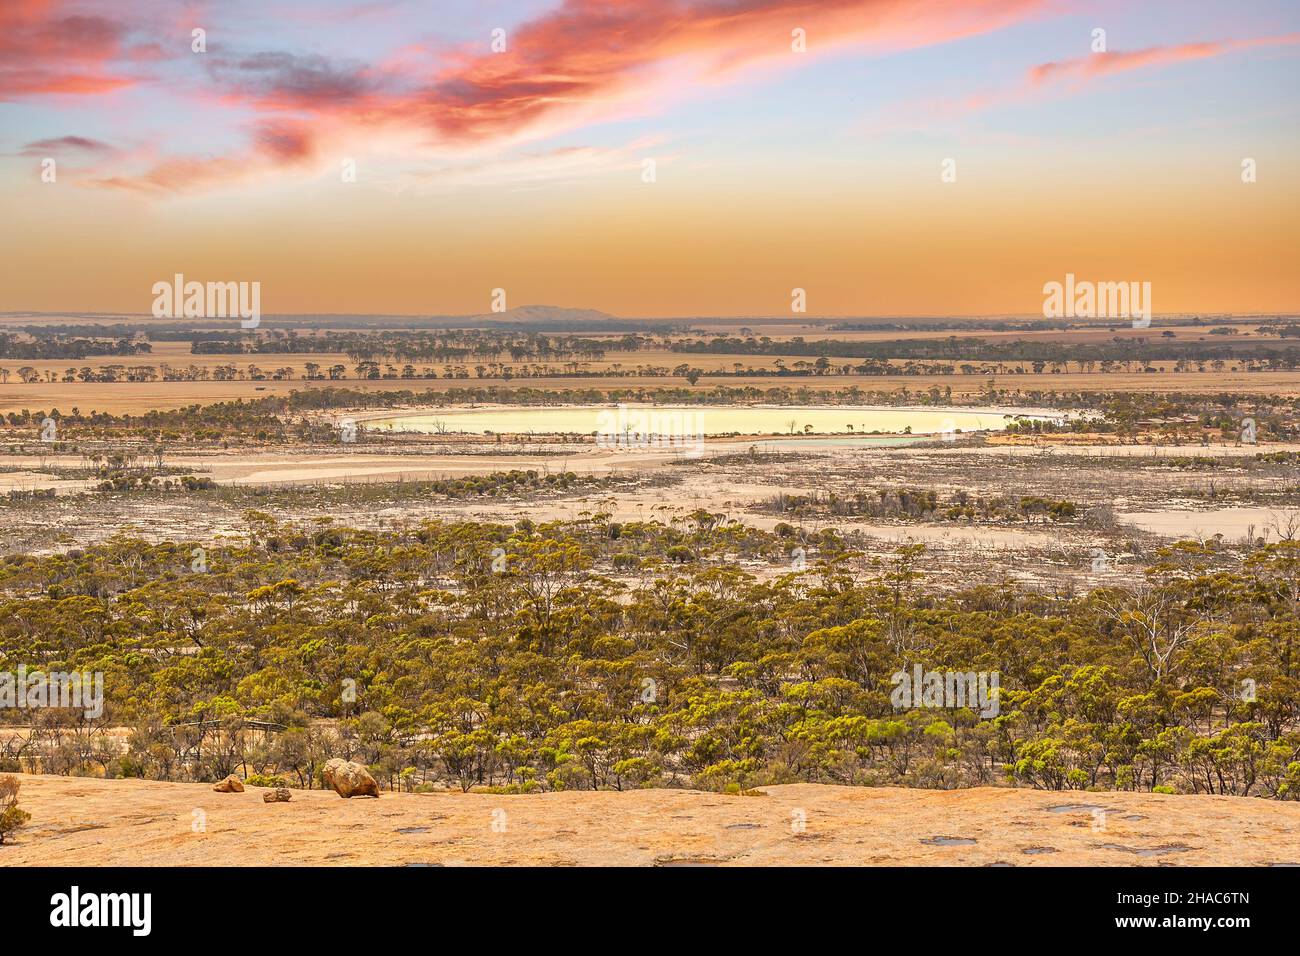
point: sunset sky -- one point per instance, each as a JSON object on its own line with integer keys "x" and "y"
{"x": 774, "y": 169}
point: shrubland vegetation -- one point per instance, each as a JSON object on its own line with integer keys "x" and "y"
{"x": 12, "y": 817}
{"x": 923, "y": 503}
{"x": 511, "y": 482}
{"x": 595, "y": 654}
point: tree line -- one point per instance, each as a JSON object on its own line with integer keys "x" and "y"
{"x": 1106, "y": 357}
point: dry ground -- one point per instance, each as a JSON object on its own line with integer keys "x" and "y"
{"x": 1151, "y": 498}
{"x": 133, "y": 822}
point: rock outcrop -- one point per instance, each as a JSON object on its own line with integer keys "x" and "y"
{"x": 147, "y": 822}
{"x": 231, "y": 784}
{"x": 278, "y": 795}
{"x": 349, "y": 779}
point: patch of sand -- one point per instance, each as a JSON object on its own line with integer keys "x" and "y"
{"x": 303, "y": 466}
{"x": 32, "y": 480}
{"x": 1232, "y": 523}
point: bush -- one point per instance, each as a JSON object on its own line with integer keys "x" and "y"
{"x": 11, "y": 817}
{"x": 262, "y": 780}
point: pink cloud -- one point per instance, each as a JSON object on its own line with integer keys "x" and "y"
{"x": 593, "y": 58}
{"x": 275, "y": 145}
{"x": 1085, "y": 68}
{"x": 587, "y": 61}
{"x": 47, "y": 48}
{"x": 1072, "y": 75}
{"x": 65, "y": 144}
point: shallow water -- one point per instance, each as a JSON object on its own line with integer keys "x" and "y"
{"x": 687, "y": 861}
{"x": 948, "y": 841}
{"x": 697, "y": 420}
{"x": 1147, "y": 850}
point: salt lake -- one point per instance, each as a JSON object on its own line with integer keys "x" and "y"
{"x": 705, "y": 420}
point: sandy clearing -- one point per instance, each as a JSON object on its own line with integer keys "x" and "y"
{"x": 977, "y": 539}
{"x": 31, "y": 480}
{"x": 737, "y": 418}
{"x": 291, "y": 469}
{"x": 235, "y": 462}
{"x": 715, "y": 489}
{"x": 1232, "y": 523}
{"x": 272, "y": 468}
{"x": 287, "y": 467}
{"x": 94, "y": 822}
{"x": 1125, "y": 451}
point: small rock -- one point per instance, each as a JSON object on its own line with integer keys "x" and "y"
{"x": 349, "y": 779}
{"x": 231, "y": 784}
{"x": 278, "y": 795}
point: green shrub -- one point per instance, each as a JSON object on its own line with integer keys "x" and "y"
{"x": 11, "y": 817}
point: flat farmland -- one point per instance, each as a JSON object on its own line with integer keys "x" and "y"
{"x": 657, "y": 364}
{"x": 259, "y": 375}
{"x": 135, "y": 398}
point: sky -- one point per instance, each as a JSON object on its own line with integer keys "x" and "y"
{"x": 658, "y": 158}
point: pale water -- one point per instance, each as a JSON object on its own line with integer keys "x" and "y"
{"x": 700, "y": 419}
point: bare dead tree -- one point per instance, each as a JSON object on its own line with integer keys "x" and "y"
{"x": 1150, "y": 620}
{"x": 1285, "y": 525}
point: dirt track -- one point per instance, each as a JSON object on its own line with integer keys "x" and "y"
{"x": 132, "y": 822}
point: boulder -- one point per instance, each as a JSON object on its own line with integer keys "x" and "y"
{"x": 349, "y": 779}
{"x": 278, "y": 795}
{"x": 231, "y": 784}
